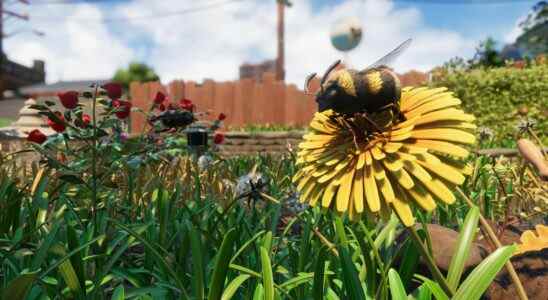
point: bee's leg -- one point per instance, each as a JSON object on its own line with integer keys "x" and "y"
{"x": 366, "y": 117}
{"x": 354, "y": 133}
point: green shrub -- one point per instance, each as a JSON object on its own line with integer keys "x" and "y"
{"x": 495, "y": 95}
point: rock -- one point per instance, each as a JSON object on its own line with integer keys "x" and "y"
{"x": 444, "y": 241}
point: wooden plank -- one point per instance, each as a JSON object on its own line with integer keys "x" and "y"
{"x": 224, "y": 101}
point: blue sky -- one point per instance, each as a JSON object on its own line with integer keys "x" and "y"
{"x": 80, "y": 43}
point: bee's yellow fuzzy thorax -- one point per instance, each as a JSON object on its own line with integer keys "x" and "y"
{"x": 374, "y": 81}
{"x": 345, "y": 80}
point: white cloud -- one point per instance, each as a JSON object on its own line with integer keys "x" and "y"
{"x": 213, "y": 43}
{"x": 516, "y": 31}
{"x": 72, "y": 49}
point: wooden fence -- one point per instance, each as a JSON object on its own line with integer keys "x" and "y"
{"x": 245, "y": 101}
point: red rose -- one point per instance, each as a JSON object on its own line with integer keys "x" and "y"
{"x": 218, "y": 138}
{"x": 36, "y": 136}
{"x": 187, "y": 104}
{"x": 123, "y": 108}
{"x": 221, "y": 117}
{"x": 160, "y": 98}
{"x": 162, "y": 107}
{"x": 57, "y": 126}
{"x": 114, "y": 90}
{"x": 69, "y": 99}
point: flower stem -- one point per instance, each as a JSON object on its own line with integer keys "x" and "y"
{"x": 438, "y": 276}
{"x": 94, "y": 161}
{"x": 493, "y": 237}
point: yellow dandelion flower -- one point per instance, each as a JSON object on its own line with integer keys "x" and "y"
{"x": 349, "y": 165}
{"x": 532, "y": 242}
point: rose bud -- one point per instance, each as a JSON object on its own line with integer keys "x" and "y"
{"x": 218, "y": 138}
{"x": 160, "y": 98}
{"x": 187, "y": 104}
{"x": 221, "y": 117}
{"x": 84, "y": 121}
{"x": 69, "y": 99}
{"x": 123, "y": 108}
{"x": 114, "y": 90}
{"x": 37, "y": 136}
{"x": 58, "y": 127}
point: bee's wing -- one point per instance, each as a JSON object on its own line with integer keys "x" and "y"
{"x": 390, "y": 57}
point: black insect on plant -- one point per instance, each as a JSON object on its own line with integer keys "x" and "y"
{"x": 174, "y": 118}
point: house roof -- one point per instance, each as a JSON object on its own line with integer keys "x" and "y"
{"x": 44, "y": 88}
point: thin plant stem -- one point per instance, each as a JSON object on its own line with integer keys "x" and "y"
{"x": 493, "y": 237}
{"x": 94, "y": 160}
{"x": 438, "y": 276}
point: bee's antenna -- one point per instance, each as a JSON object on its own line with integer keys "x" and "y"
{"x": 307, "y": 83}
{"x": 329, "y": 70}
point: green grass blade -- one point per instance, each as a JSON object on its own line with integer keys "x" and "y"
{"x": 267, "y": 241}
{"x": 221, "y": 265}
{"x": 233, "y": 286}
{"x": 246, "y": 245}
{"x": 268, "y": 279}
{"x": 434, "y": 287}
{"x": 424, "y": 293}
{"x": 397, "y": 290}
{"x": 245, "y": 270}
{"x": 76, "y": 260}
{"x": 119, "y": 293}
{"x": 296, "y": 281}
{"x": 42, "y": 253}
{"x": 197, "y": 263}
{"x": 481, "y": 277}
{"x": 318, "y": 286}
{"x": 462, "y": 250}
{"x": 351, "y": 278}
{"x": 157, "y": 255}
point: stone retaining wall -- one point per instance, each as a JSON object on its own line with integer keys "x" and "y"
{"x": 244, "y": 143}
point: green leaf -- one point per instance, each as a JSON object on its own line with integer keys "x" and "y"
{"x": 19, "y": 287}
{"x": 258, "y": 294}
{"x": 481, "y": 277}
{"x": 246, "y": 245}
{"x": 246, "y": 270}
{"x": 76, "y": 260}
{"x": 319, "y": 278}
{"x": 296, "y": 281}
{"x": 423, "y": 293}
{"x": 434, "y": 287}
{"x": 267, "y": 241}
{"x": 233, "y": 286}
{"x": 197, "y": 263}
{"x": 268, "y": 279}
{"x": 119, "y": 293}
{"x": 41, "y": 255}
{"x": 221, "y": 265}
{"x": 397, "y": 290}
{"x": 351, "y": 278}
{"x": 156, "y": 255}
{"x": 462, "y": 250}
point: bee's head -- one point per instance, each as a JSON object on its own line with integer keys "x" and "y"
{"x": 334, "y": 85}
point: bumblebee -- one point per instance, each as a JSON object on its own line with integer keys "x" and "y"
{"x": 349, "y": 92}
{"x": 175, "y": 118}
